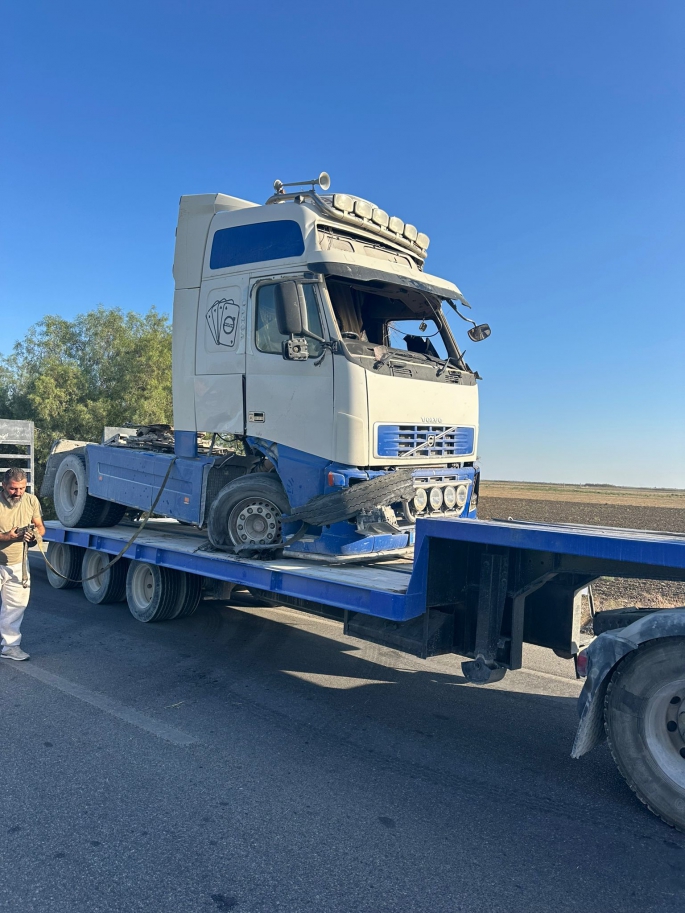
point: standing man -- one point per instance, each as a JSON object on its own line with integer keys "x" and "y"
{"x": 17, "y": 510}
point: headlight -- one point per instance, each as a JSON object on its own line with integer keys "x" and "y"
{"x": 450, "y": 497}
{"x": 462, "y": 495}
{"x": 436, "y": 498}
{"x": 420, "y": 499}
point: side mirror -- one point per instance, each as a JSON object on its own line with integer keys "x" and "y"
{"x": 479, "y": 333}
{"x": 290, "y": 312}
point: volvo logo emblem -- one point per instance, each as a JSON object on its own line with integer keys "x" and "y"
{"x": 430, "y": 440}
{"x": 431, "y": 420}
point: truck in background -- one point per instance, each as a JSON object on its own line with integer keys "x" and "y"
{"x": 307, "y": 331}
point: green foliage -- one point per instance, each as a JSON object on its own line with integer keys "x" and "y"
{"x": 74, "y": 377}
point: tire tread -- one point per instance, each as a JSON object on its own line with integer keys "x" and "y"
{"x": 624, "y": 667}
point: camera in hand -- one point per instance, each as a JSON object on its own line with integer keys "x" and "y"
{"x": 30, "y": 528}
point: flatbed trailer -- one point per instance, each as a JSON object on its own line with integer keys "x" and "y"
{"x": 476, "y": 588}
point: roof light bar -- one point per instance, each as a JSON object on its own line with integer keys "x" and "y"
{"x": 380, "y": 217}
{"x": 354, "y": 210}
{"x": 343, "y": 202}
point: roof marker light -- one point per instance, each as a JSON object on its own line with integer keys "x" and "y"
{"x": 363, "y": 209}
{"x": 396, "y": 225}
{"x": 410, "y": 232}
{"x": 423, "y": 240}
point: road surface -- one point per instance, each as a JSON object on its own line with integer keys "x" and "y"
{"x": 256, "y": 760}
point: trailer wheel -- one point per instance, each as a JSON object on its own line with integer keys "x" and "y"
{"x": 644, "y": 715}
{"x": 110, "y": 583}
{"x": 73, "y": 505}
{"x": 247, "y": 512}
{"x": 112, "y": 514}
{"x": 151, "y": 592}
{"x": 67, "y": 560}
{"x": 189, "y": 596}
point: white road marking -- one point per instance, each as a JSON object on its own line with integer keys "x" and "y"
{"x": 102, "y": 702}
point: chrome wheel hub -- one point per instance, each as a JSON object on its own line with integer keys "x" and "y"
{"x": 69, "y": 489}
{"x": 665, "y": 729}
{"x": 255, "y": 522}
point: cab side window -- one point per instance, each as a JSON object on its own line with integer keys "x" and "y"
{"x": 267, "y": 337}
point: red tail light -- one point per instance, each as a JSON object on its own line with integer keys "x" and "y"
{"x": 582, "y": 664}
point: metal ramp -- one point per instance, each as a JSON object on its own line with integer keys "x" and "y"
{"x": 21, "y": 436}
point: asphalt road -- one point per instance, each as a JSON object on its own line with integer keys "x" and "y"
{"x": 256, "y": 760}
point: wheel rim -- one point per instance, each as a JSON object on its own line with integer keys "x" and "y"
{"x": 58, "y": 558}
{"x": 665, "y": 730}
{"x": 95, "y": 570}
{"x": 255, "y": 521}
{"x": 68, "y": 489}
{"x": 143, "y": 586}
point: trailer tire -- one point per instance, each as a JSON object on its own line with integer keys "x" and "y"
{"x": 73, "y": 505}
{"x": 110, "y": 584}
{"x": 112, "y": 514}
{"x": 152, "y": 592}
{"x": 247, "y": 512}
{"x": 189, "y": 596}
{"x": 66, "y": 559}
{"x": 644, "y": 714}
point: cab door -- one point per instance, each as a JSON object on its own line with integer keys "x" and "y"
{"x": 288, "y": 402}
{"x": 220, "y": 356}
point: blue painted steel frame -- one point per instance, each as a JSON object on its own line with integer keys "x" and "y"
{"x": 630, "y": 546}
{"x": 133, "y": 478}
{"x": 604, "y": 543}
{"x": 305, "y": 476}
{"x": 368, "y": 600}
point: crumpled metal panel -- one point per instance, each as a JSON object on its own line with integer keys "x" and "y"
{"x": 604, "y": 654}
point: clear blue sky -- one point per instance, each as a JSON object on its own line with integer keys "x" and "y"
{"x": 539, "y": 144}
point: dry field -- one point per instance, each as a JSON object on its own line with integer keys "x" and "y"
{"x": 602, "y": 505}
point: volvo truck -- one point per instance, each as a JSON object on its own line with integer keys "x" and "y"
{"x": 321, "y": 399}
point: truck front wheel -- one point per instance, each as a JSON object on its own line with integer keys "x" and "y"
{"x": 247, "y": 512}
{"x": 644, "y": 715}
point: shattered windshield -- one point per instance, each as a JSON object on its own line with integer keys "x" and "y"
{"x": 419, "y": 336}
{"x": 399, "y": 319}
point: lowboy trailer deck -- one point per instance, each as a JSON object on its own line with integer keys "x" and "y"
{"x": 476, "y": 588}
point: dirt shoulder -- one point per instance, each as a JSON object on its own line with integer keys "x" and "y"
{"x": 626, "y": 508}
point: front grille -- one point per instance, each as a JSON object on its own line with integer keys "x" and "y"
{"x": 400, "y": 440}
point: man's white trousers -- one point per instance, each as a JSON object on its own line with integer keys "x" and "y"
{"x": 15, "y": 598}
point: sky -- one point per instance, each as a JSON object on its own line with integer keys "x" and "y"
{"x": 539, "y": 144}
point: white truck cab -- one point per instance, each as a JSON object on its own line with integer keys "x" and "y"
{"x": 308, "y": 329}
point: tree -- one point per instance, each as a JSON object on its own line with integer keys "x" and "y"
{"x": 72, "y": 378}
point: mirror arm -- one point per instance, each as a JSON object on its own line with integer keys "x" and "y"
{"x": 458, "y": 312}
{"x": 313, "y": 336}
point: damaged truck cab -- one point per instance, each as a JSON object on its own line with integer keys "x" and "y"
{"x": 306, "y": 330}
